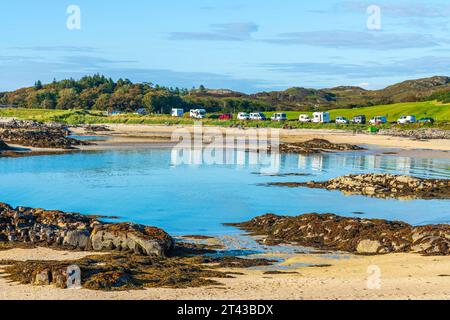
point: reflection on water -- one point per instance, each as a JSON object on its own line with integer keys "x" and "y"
{"x": 146, "y": 186}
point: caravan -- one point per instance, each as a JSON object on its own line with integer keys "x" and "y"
{"x": 321, "y": 117}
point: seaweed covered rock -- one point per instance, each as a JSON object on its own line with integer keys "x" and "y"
{"x": 316, "y": 146}
{"x": 3, "y": 146}
{"x": 42, "y": 138}
{"x": 382, "y": 186}
{"x": 137, "y": 238}
{"x": 364, "y": 236}
{"x": 75, "y": 231}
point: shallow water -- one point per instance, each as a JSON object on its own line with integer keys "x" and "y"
{"x": 145, "y": 186}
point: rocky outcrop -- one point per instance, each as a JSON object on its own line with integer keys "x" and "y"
{"x": 382, "y": 186}
{"x": 3, "y": 146}
{"x": 74, "y": 231}
{"x": 49, "y": 138}
{"x": 11, "y": 123}
{"x": 420, "y": 134}
{"x": 316, "y": 146}
{"x": 363, "y": 236}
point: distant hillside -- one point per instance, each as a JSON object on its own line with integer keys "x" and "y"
{"x": 351, "y": 97}
{"x": 100, "y": 93}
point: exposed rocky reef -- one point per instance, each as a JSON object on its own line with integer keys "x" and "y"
{"x": 115, "y": 272}
{"x": 316, "y": 146}
{"x": 356, "y": 235}
{"x": 135, "y": 256}
{"x": 50, "y": 138}
{"x": 35, "y": 134}
{"x": 420, "y": 134}
{"x": 382, "y": 186}
{"x": 75, "y": 231}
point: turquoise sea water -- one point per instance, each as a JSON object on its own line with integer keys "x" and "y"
{"x": 145, "y": 186}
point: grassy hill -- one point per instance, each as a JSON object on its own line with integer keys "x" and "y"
{"x": 434, "y": 109}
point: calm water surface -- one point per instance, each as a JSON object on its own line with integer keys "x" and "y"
{"x": 145, "y": 186}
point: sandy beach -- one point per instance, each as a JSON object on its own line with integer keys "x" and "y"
{"x": 128, "y": 135}
{"x": 402, "y": 276}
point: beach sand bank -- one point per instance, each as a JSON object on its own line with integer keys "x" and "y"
{"x": 402, "y": 276}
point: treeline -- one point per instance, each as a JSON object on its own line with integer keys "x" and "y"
{"x": 441, "y": 96}
{"x": 101, "y": 93}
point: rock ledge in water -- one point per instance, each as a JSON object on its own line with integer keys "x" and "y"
{"x": 316, "y": 146}
{"x": 75, "y": 231}
{"x": 382, "y": 186}
{"x": 363, "y": 236}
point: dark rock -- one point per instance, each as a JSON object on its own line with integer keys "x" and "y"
{"x": 42, "y": 138}
{"x": 76, "y": 231}
{"x": 316, "y": 146}
{"x": 364, "y": 236}
{"x": 381, "y": 186}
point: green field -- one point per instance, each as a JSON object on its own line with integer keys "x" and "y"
{"x": 440, "y": 112}
{"x": 433, "y": 109}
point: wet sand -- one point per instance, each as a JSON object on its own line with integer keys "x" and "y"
{"x": 402, "y": 276}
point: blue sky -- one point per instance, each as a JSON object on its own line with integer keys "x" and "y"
{"x": 245, "y": 45}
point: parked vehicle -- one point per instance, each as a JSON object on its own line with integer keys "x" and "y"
{"x": 406, "y": 119}
{"x": 257, "y": 116}
{"x": 197, "y": 113}
{"x": 359, "y": 119}
{"x": 226, "y": 116}
{"x": 426, "y": 120}
{"x": 321, "y": 117}
{"x": 279, "y": 116}
{"x": 342, "y": 120}
{"x": 378, "y": 120}
{"x": 304, "y": 118}
{"x": 243, "y": 116}
{"x": 176, "y": 112}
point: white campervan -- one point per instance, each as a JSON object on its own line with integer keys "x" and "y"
{"x": 197, "y": 113}
{"x": 304, "y": 118}
{"x": 321, "y": 117}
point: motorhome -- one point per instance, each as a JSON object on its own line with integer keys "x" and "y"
{"x": 321, "y": 117}
{"x": 197, "y": 113}
{"x": 279, "y": 116}
{"x": 176, "y": 112}
{"x": 243, "y": 116}
{"x": 257, "y": 116}
{"x": 406, "y": 119}
{"x": 304, "y": 118}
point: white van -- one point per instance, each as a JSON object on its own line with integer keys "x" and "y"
{"x": 279, "y": 116}
{"x": 321, "y": 117}
{"x": 243, "y": 116}
{"x": 304, "y": 118}
{"x": 378, "y": 120}
{"x": 257, "y": 116}
{"x": 406, "y": 119}
{"x": 177, "y": 112}
{"x": 198, "y": 113}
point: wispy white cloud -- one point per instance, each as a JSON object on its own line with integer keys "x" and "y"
{"x": 238, "y": 31}
{"x": 373, "y": 40}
